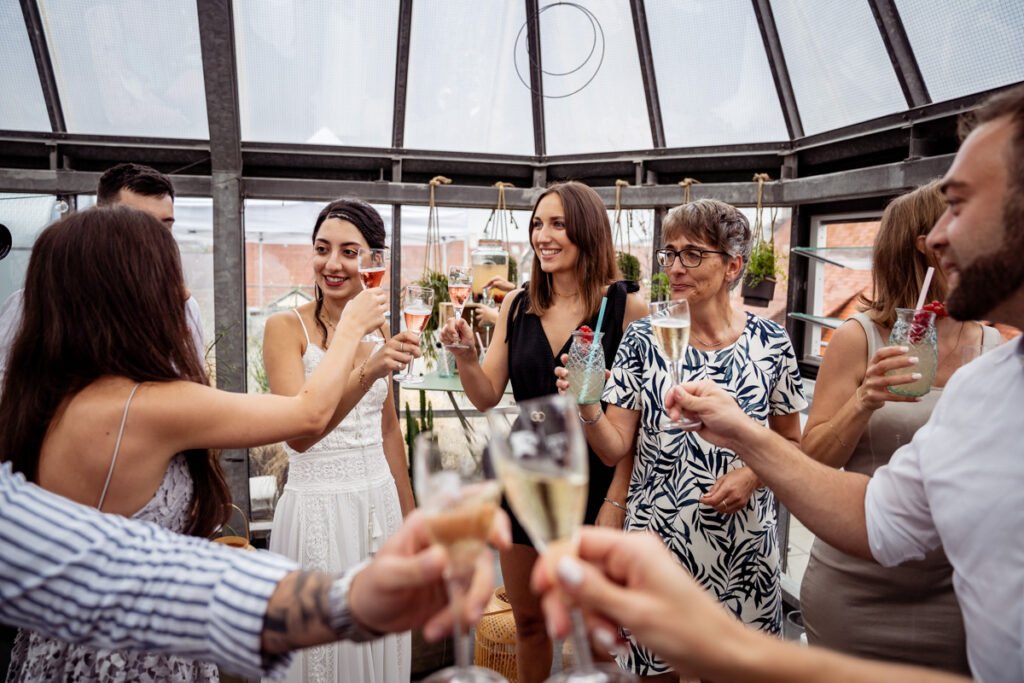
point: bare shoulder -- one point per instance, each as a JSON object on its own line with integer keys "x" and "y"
{"x": 847, "y": 352}
{"x": 635, "y": 309}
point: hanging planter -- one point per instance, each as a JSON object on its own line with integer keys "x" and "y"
{"x": 759, "y": 279}
{"x": 628, "y": 263}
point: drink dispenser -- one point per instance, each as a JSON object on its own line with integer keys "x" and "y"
{"x": 490, "y": 260}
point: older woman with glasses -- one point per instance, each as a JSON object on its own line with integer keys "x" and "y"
{"x": 710, "y": 510}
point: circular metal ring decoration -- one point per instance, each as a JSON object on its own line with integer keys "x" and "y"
{"x": 597, "y": 45}
{"x": 5, "y": 241}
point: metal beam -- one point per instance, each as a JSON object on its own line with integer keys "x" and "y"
{"x": 63, "y": 181}
{"x": 44, "y": 67}
{"x": 643, "y": 48}
{"x": 897, "y": 44}
{"x": 777, "y": 62}
{"x": 536, "y": 76}
{"x": 401, "y": 73}
{"x": 217, "y": 40}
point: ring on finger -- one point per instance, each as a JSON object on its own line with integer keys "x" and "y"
{"x": 401, "y": 347}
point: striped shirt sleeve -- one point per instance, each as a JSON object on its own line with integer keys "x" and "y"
{"x": 70, "y": 572}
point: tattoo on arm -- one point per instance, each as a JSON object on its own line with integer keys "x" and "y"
{"x": 298, "y": 614}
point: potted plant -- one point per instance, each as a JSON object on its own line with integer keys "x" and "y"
{"x": 629, "y": 266}
{"x": 660, "y": 289}
{"x": 438, "y": 282}
{"x": 759, "y": 280}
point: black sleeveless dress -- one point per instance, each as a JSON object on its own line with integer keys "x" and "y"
{"x": 531, "y": 369}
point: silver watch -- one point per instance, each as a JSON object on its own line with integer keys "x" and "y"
{"x": 340, "y": 619}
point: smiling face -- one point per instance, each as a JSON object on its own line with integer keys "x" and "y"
{"x": 549, "y": 238}
{"x": 335, "y": 259}
{"x": 979, "y": 240}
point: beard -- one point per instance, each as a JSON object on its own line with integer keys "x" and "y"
{"x": 993, "y": 278}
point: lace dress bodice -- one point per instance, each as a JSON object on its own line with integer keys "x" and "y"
{"x": 361, "y": 427}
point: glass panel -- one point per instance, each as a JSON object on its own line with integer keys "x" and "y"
{"x": 837, "y": 62}
{"x": 27, "y": 110}
{"x": 318, "y": 71}
{"x": 127, "y": 68}
{"x": 714, "y": 81}
{"x": 279, "y": 277}
{"x": 593, "y": 90}
{"x": 964, "y": 48}
{"x": 464, "y": 94}
{"x": 25, "y": 215}
{"x": 834, "y": 290}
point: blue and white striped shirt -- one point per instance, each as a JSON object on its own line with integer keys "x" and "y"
{"x": 70, "y": 572}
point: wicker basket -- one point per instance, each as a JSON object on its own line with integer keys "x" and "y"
{"x": 495, "y": 647}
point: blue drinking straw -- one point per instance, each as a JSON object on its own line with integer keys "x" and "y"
{"x": 594, "y": 347}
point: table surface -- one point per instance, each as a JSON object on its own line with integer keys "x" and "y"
{"x": 434, "y": 382}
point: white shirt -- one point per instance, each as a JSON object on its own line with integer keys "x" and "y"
{"x": 70, "y": 572}
{"x": 960, "y": 483}
{"x": 10, "y": 321}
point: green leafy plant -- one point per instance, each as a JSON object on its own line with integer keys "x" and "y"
{"x": 660, "y": 290}
{"x": 763, "y": 264}
{"x": 513, "y": 269}
{"x": 629, "y": 266}
{"x": 438, "y": 282}
{"x": 424, "y": 422}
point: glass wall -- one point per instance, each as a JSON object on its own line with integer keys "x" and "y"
{"x": 25, "y": 215}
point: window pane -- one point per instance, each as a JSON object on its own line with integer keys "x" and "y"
{"x": 25, "y": 216}
{"x": 464, "y": 94}
{"x": 127, "y": 68}
{"x": 26, "y": 110}
{"x": 837, "y": 62}
{"x": 714, "y": 81}
{"x": 964, "y": 48}
{"x": 593, "y": 90}
{"x": 317, "y": 71}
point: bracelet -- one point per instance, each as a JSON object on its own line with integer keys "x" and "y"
{"x": 362, "y": 376}
{"x": 615, "y": 503}
{"x": 597, "y": 418}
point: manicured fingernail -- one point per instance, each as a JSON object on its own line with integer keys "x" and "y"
{"x": 570, "y": 571}
{"x": 605, "y": 639}
{"x": 904, "y": 349}
{"x": 916, "y": 375}
{"x": 914, "y": 360}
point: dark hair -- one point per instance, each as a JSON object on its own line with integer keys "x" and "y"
{"x": 587, "y": 227}
{"x": 1010, "y": 104}
{"x": 715, "y": 223}
{"x": 899, "y": 266}
{"x": 104, "y": 296}
{"x": 367, "y": 221}
{"x": 135, "y": 177}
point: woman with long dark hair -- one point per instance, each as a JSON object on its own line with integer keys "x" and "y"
{"x": 573, "y": 269}
{"x": 348, "y": 485}
{"x": 105, "y": 403}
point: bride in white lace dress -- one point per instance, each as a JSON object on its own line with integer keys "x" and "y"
{"x": 348, "y": 488}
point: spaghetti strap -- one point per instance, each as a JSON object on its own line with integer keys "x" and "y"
{"x": 301, "y": 322}
{"x": 117, "y": 447}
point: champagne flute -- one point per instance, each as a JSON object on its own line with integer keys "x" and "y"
{"x": 372, "y": 264}
{"x": 459, "y": 497}
{"x": 417, "y": 307}
{"x": 460, "y": 282}
{"x": 670, "y": 327}
{"x": 541, "y": 456}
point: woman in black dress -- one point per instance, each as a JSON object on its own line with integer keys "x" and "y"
{"x": 573, "y": 269}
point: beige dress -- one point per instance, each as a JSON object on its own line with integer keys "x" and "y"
{"x": 907, "y": 613}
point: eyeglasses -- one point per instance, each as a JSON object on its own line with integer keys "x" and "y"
{"x": 690, "y": 258}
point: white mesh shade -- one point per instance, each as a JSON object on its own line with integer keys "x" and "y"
{"x": 837, "y": 63}
{"x": 21, "y": 97}
{"x": 713, "y": 77}
{"x": 127, "y": 68}
{"x": 463, "y": 92}
{"x": 964, "y": 48}
{"x": 316, "y": 71}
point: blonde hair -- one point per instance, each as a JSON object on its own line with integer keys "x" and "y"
{"x": 898, "y": 266}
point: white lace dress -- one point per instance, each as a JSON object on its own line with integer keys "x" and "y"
{"x": 37, "y": 658}
{"x": 339, "y": 505}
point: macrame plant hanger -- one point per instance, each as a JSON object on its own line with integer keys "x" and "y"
{"x": 761, "y": 179}
{"x": 433, "y": 262}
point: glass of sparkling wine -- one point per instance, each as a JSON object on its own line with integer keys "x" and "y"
{"x": 460, "y": 282}
{"x": 670, "y": 326}
{"x": 417, "y": 306}
{"x": 372, "y": 264}
{"x": 459, "y": 497}
{"x": 540, "y": 453}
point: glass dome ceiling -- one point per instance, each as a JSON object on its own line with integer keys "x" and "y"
{"x": 515, "y": 77}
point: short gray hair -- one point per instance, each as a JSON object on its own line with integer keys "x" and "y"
{"x": 716, "y": 223}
